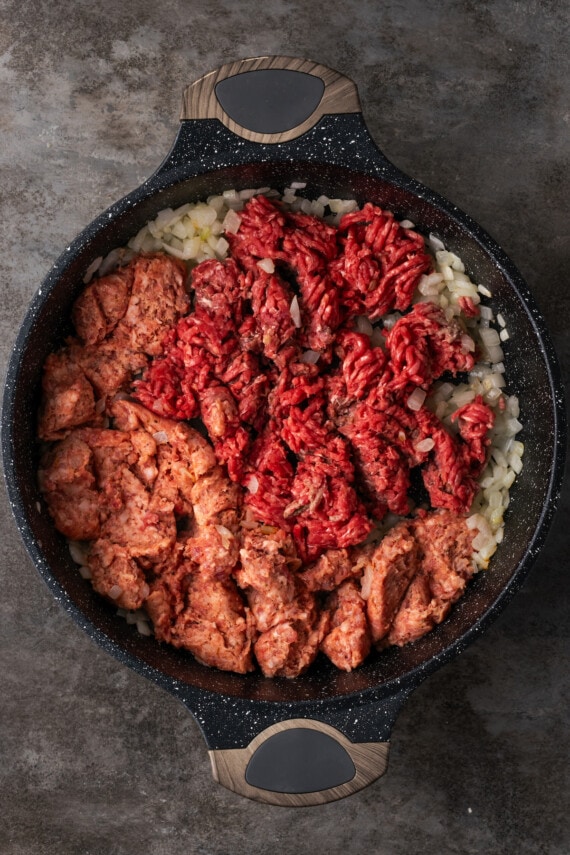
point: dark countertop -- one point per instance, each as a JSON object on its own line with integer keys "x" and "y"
{"x": 473, "y": 100}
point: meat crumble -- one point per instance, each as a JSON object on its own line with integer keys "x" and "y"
{"x": 247, "y": 535}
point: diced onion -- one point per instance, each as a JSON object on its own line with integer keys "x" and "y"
{"x": 267, "y": 265}
{"x": 78, "y": 551}
{"x": 363, "y": 325}
{"x": 416, "y": 399}
{"x": 425, "y": 445}
{"x": 223, "y": 531}
{"x": 435, "y": 243}
{"x": 490, "y": 337}
{"x": 252, "y": 484}
{"x": 221, "y": 247}
{"x": 143, "y": 627}
{"x": 231, "y": 222}
{"x": 226, "y": 535}
{"x": 295, "y": 312}
{"x": 366, "y": 584}
{"x": 92, "y": 269}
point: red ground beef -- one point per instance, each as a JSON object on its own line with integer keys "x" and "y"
{"x": 305, "y": 413}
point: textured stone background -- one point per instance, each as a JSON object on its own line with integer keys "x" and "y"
{"x": 471, "y": 98}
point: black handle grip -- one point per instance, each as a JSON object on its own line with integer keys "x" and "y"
{"x": 270, "y": 100}
{"x": 299, "y": 760}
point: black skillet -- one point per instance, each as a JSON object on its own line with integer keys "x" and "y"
{"x": 271, "y": 121}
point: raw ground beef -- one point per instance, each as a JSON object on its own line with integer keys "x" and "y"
{"x": 307, "y": 415}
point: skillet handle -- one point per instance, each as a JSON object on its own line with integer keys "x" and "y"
{"x": 298, "y": 763}
{"x": 270, "y": 99}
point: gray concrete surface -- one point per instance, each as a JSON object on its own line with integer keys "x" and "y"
{"x": 471, "y": 98}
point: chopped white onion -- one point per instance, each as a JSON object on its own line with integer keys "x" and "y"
{"x": 231, "y": 222}
{"x": 267, "y": 265}
{"x": 416, "y": 399}
{"x": 78, "y": 551}
{"x": 223, "y": 531}
{"x": 490, "y": 336}
{"x": 435, "y": 243}
{"x": 425, "y": 445}
{"x": 377, "y": 338}
{"x": 252, "y": 484}
{"x": 144, "y": 628}
{"x": 390, "y": 320}
{"x": 115, "y": 592}
{"x": 513, "y": 426}
{"x": 484, "y": 291}
{"x": 295, "y": 312}
{"x": 366, "y": 583}
{"x": 92, "y": 269}
{"x": 363, "y": 325}
{"x": 221, "y": 247}
{"x": 226, "y": 535}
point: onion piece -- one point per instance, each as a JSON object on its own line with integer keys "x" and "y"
{"x": 436, "y": 244}
{"x": 416, "y": 399}
{"x": 143, "y": 628}
{"x": 92, "y": 269}
{"x": 425, "y": 445}
{"x": 267, "y": 265}
{"x": 226, "y": 536}
{"x": 115, "y": 592}
{"x": 231, "y": 222}
{"x": 295, "y": 312}
{"x": 363, "y": 325}
{"x": 252, "y": 484}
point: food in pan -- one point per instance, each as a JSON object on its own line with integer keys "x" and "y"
{"x": 280, "y": 428}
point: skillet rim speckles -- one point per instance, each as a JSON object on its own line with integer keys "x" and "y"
{"x": 253, "y": 725}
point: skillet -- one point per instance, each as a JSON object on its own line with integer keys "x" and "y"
{"x": 271, "y": 121}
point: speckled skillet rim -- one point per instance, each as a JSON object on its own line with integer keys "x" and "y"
{"x": 337, "y": 155}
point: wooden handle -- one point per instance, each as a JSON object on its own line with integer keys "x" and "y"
{"x": 270, "y": 99}
{"x": 299, "y": 762}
